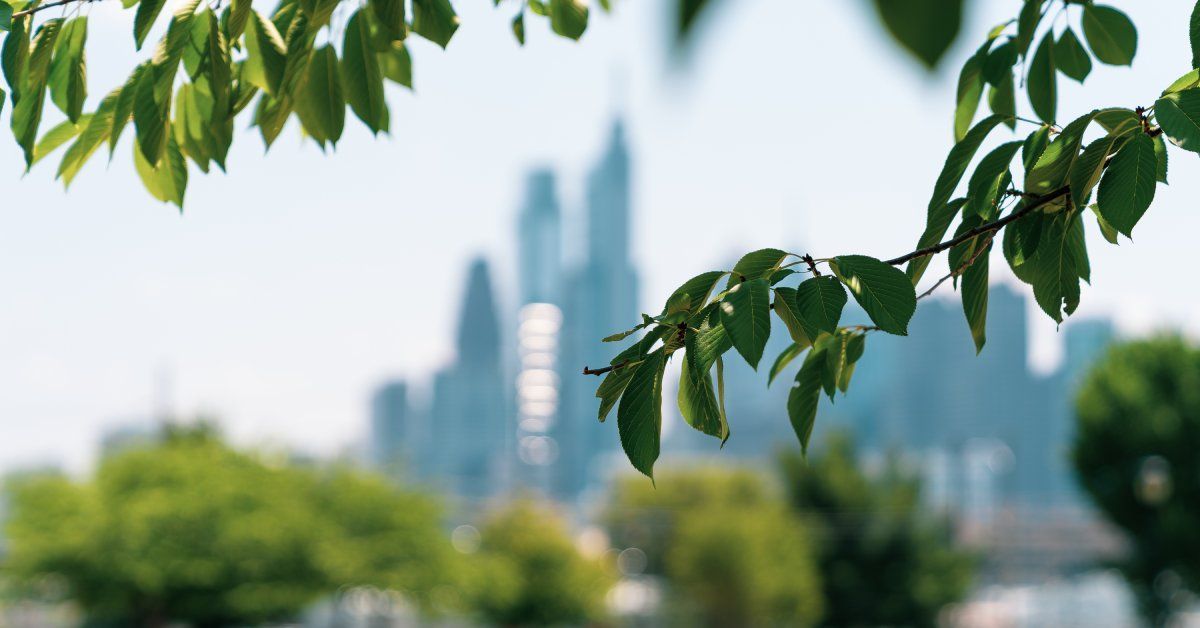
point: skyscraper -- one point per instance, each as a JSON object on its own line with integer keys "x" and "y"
{"x": 468, "y": 422}
{"x": 600, "y": 298}
{"x": 539, "y": 321}
{"x": 395, "y": 434}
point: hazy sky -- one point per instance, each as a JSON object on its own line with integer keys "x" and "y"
{"x": 294, "y": 284}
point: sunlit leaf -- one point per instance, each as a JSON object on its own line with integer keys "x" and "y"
{"x": 883, "y": 291}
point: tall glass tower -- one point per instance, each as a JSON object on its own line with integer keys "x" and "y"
{"x": 469, "y": 417}
{"x": 539, "y": 322}
{"x": 600, "y": 298}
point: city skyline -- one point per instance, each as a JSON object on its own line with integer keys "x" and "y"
{"x": 275, "y": 298}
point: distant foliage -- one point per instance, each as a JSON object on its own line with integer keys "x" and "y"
{"x": 1029, "y": 197}
{"x": 1135, "y": 450}
{"x": 531, "y": 574}
{"x": 189, "y": 530}
{"x": 727, "y": 545}
{"x": 875, "y": 540}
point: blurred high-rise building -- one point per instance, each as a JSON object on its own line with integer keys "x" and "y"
{"x": 469, "y": 427}
{"x": 397, "y": 437}
{"x": 600, "y": 297}
{"x": 539, "y": 321}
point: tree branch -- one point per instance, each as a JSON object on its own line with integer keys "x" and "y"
{"x": 990, "y": 227}
{"x": 42, "y": 7}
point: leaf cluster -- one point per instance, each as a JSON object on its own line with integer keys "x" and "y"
{"x": 1028, "y": 196}
{"x": 308, "y": 60}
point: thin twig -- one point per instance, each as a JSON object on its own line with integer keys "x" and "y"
{"x": 43, "y": 7}
{"x": 995, "y": 225}
{"x": 601, "y": 371}
{"x": 962, "y": 268}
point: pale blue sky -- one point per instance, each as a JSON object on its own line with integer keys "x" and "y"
{"x": 298, "y": 281}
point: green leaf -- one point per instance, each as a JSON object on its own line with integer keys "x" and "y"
{"x": 710, "y": 341}
{"x": 239, "y": 15}
{"x": 639, "y": 415}
{"x": 321, "y": 107}
{"x": 755, "y": 265}
{"x": 27, "y": 114}
{"x": 1077, "y": 243}
{"x": 171, "y": 48}
{"x": 1108, "y": 231}
{"x": 1085, "y": 172}
{"x": 975, "y": 296}
{"x": 1194, "y": 32}
{"x": 785, "y": 309}
{"x": 123, "y": 110}
{"x": 1035, "y": 145}
{"x": 14, "y": 56}
{"x": 1054, "y": 269}
{"x": 396, "y": 64}
{"x": 612, "y": 387}
{"x": 518, "y": 27}
{"x": 391, "y": 16}
{"x": 361, "y": 76}
{"x": 1117, "y": 119}
{"x": 1002, "y": 100}
{"x": 1179, "y": 116}
{"x": 687, "y": 13}
{"x": 925, "y": 28}
{"x": 266, "y": 54}
{"x": 62, "y": 133}
{"x": 805, "y": 395}
{"x": 6, "y": 13}
{"x": 143, "y": 20}
{"x": 150, "y": 117}
{"x": 1127, "y": 187}
{"x": 94, "y": 134}
{"x": 970, "y": 90}
{"x": 856, "y": 345}
{"x": 1027, "y": 23}
{"x": 219, "y": 71}
{"x": 883, "y": 291}
{"x": 819, "y": 303}
{"x": 68, "y": 70}
{"x": 952, "y": 172}
{"x": 962, "y": 253}
{"x": 697, "y": 289}
{"x": 746, "y": 317}
{"x": 168, "y": 180}
{"x": 1110, "y": 33}
{"x": 1021, "y": 240}
{"x": 698, "y": 404}
{"x": 299, "y": 51}
{"x": 1042, "y": 82}
{"x": 1070, "y": 56}
{"x": 985, "y": 189}
{"x": 1187, "y": 81}
{"x": 569, "y": 18}
{"x": 1054, "y": 165}
{"x": 434, "y": 20}
{"x": 1160, "y": 150}
{"x": 998, "y": 65}
{"x": 785, "y": 357}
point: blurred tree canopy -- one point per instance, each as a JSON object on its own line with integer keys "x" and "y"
{"x": 531, "y": 574}
{"x": 1138, "y": 432}
{"x": 883, "y": 559}
{"x": 190, "y": 530}
{"x": 725, "y": 542}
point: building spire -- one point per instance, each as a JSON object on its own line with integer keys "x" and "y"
{"x": 478, "y": 327}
